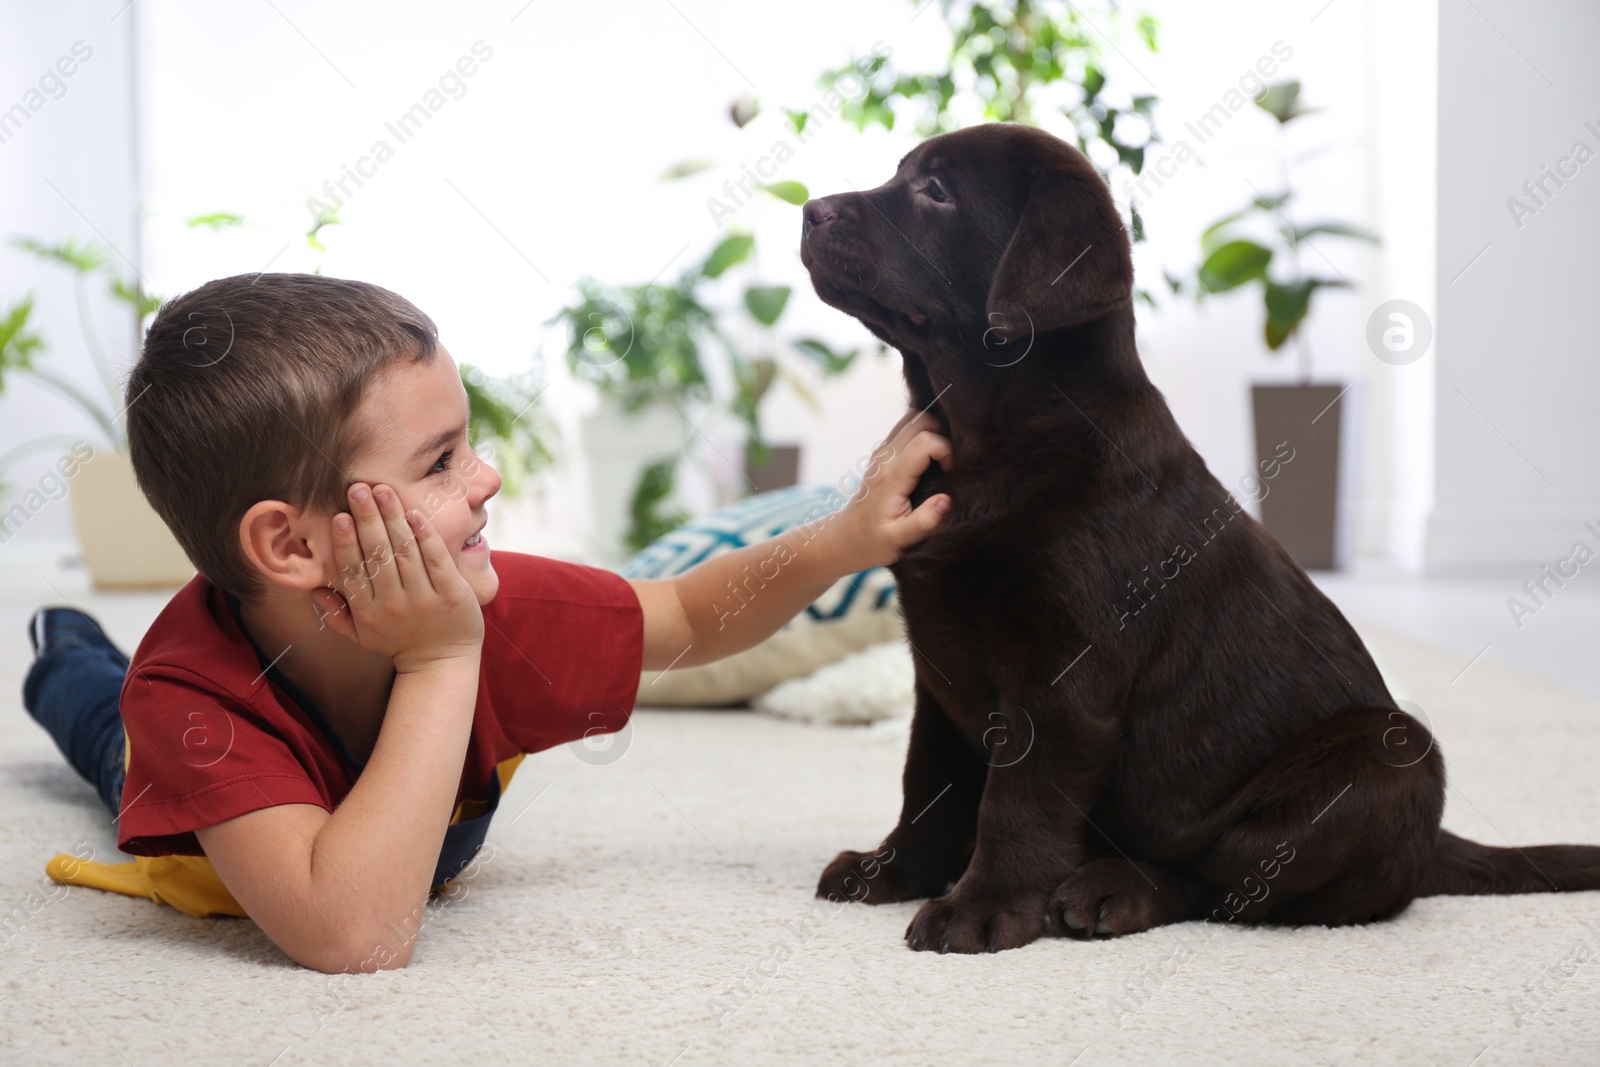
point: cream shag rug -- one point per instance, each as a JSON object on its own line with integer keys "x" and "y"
{"x": 658, "y": 909}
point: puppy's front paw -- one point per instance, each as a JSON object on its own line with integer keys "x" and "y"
{"x": 978, "y": 922}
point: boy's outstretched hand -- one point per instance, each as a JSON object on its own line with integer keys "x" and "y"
{"x": 400, "y": 593}
{"x": 879, "y": 520}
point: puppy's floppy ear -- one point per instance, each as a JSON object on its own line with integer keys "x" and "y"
{"x": 1067, "y": 262}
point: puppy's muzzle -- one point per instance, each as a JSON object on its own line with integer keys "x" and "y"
{"x": 833, "y": 240}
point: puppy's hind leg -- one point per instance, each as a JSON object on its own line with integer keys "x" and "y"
{"x": 1336, "y": 829}
{"x": 930, "y": 847}
{"x": 1339, "y": 828}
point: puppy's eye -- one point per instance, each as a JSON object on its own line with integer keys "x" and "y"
{"x": 936, "y": 191}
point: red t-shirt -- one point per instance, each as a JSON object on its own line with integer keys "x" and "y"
{"x": 214, "y": 732}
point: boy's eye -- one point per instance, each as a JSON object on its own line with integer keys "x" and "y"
{"x": 441, "y": 464}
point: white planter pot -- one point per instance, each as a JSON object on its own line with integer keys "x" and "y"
{"x": 124, "y": 543}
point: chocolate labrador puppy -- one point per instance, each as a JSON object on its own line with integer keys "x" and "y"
{"x": 1132, "y": 707}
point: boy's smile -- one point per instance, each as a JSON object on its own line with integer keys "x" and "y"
{"x": 416, "y": 417}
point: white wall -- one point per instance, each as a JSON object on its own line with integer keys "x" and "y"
{"x": 1365, "y": 157}
{"x": 1518, "y": 375}
{"x": 66, "y": 169}
{"x": 1402, "y": 117}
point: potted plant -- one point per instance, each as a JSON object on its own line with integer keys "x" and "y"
{"x": 646, "y": 350}
{"x": 1260, "y": 245}
{"x": 766, "y": 466}
{"x": 123, "y": 543}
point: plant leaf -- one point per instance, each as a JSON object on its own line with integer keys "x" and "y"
{"x": 649, "y": 520}
{"x": 1260, "y": 203}
{"x": 827, "y": 359}
{"x": 1287, "y": 304}
{"x": 766, "y": 372}
{"x": 1147, "y": 27}
{"x": 685, "y": 167}
{"x": 134, "y": 296}
{"x": 505, "y": 420}
{"x": 766, "y": 302}
{"x": 1094, "y": 80}
{"x": 743, "y": 110}
{"x": 81, "y": 258}
{"x": 1334, "y": 229}
{"x": 790, "y": 192}
{"x": 216, "y": 220}
{"x": 1277, "y": 332}
{"x": 732, "y": 249}
{"x": 17, "y": 342}
{"x": 1234, "y": 264}
{"x": 323, "y": 217}
{"x": 801, "y": 389}
{"x": 1281, "y": 100}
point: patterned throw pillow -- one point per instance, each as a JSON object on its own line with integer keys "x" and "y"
{"x": 859, "y": 610}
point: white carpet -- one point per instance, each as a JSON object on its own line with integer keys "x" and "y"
{"x": 658, "y": 910}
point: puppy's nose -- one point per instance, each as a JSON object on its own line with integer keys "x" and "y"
{"x": 817, "y": 213}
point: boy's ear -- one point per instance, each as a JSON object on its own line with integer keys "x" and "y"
{"x": 272, "y": 537}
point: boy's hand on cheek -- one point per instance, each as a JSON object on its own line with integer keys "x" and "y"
{"x": 879, "y": 521}
{"x": 399, "y": 593}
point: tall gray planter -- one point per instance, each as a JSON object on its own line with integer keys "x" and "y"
{"x": 781, "y": 470}
{"x": 1302, "y": 505}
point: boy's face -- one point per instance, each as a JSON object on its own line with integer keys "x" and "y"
{"x": 416, "y": 414}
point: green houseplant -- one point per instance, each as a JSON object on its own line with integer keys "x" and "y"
{"x": 122, "y": 541}
{"x": 1041, "y": 62}
{"x": 648, "y": 346}
{"x": 1261, "y": 246}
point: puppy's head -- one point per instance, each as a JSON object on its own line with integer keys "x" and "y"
{"x": 984, "y": 237}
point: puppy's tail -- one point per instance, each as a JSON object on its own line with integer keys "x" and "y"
{"x": 1462, "y": 867}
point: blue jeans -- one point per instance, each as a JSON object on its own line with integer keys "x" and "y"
{"x": 73, "y": 692}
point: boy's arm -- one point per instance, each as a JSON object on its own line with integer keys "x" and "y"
{"x": 735, "y": 600}
{"x": 346, "y": 891}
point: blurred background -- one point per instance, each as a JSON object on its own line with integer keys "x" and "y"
{"x": 1365, "y": 227}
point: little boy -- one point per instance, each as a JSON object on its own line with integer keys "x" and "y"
{"x": 317, "y": 729}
